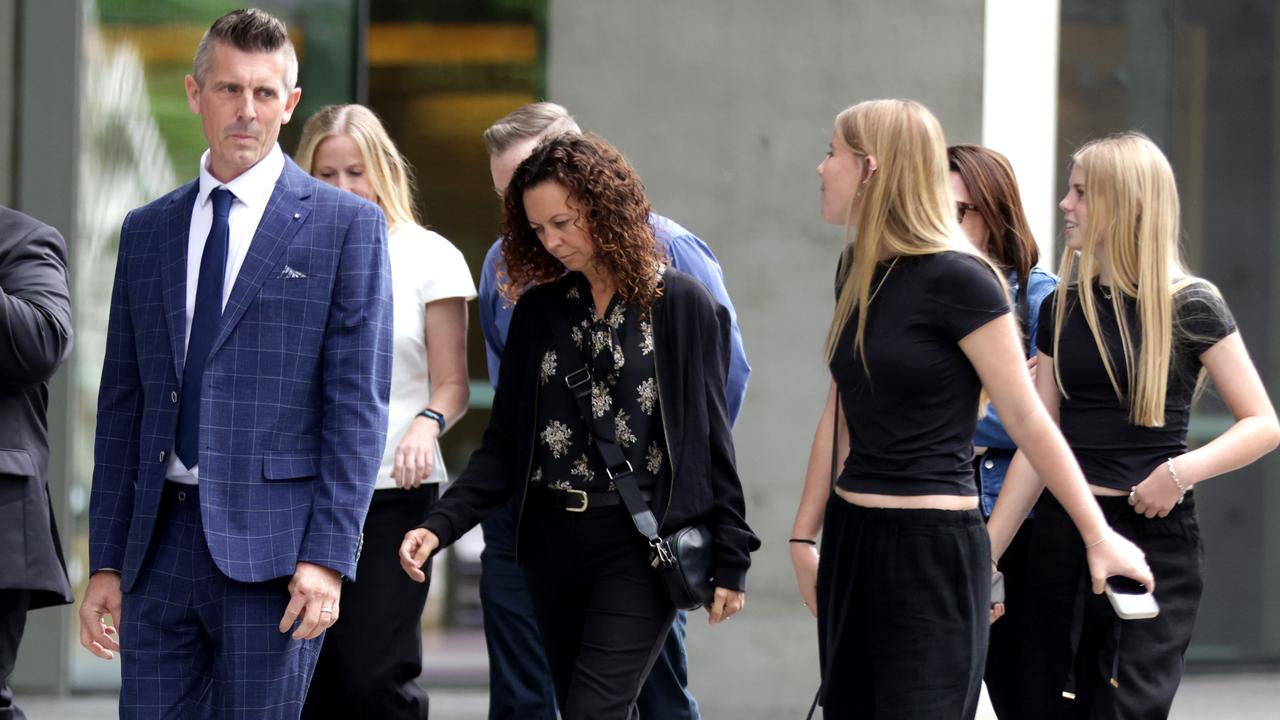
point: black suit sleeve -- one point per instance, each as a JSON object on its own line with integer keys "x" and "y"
{"x": 35, "y": 307}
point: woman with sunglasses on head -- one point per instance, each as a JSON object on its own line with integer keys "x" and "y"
{"x": 989, "y": 210}
{"x": 1123, "y": 350}
{"x": 370, "y": 661}
{"x": 902, "y": 585}
{"x": 610, "y": 350}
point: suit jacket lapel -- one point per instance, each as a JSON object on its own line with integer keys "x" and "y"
{"x": 173, "y": 269}
{"x": 286, "y": 211}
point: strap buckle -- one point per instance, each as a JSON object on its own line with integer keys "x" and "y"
{"x": 620, "y": 470}
{"x": 580, "y": 493}
{"x": 577, "y": 378}
{"x": 662, "y": 555}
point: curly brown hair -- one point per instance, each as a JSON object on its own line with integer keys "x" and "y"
{"x": 611, "y": 199}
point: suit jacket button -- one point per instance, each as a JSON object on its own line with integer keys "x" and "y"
{"x": 161, "y": 456}
{"x": 174, "y": 396}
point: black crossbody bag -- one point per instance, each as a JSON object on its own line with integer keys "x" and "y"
{"x": 684, "y": 558}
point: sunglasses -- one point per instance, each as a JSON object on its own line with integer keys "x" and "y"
{"x": 962, "y": 208}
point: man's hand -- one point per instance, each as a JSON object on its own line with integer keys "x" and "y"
{"x": 314, "y": 593}
{"x": 415, "y": 550}
{"x": 101, "y": 599}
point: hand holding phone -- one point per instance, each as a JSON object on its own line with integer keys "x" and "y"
{"x": 1130, "y": 599}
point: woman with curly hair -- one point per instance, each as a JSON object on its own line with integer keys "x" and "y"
{"x": 598, "y": 304}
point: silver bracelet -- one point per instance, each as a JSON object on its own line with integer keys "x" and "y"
{"x": 1173, "y": 475}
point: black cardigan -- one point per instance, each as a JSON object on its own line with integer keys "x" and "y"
{"x": 691, "y": 344}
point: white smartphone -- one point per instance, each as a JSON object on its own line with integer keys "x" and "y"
{"x": 1130, "y": 599}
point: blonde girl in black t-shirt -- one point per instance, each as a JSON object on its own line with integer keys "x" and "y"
{"x": 1123, "y": 346}
{"x": 901, "y": 587}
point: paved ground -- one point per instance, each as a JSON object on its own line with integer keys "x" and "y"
{"x": 1219, "y": 697}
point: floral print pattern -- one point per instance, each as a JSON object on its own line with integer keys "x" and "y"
{"x": 617, "y": 348}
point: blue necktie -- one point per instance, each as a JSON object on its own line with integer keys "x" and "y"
{"x": 204, "y": 327}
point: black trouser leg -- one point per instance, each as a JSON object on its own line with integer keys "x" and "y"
{"x": 1005, "y": 658}
{"x": 372, "y": 656}
{"x": 903, "y": 598}
{"x": 1143, "y": 657}
{"x": 13, "y": 620}
{"x": 601, "y": 609}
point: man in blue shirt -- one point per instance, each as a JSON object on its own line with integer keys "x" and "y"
{"x": 519, "y": 681}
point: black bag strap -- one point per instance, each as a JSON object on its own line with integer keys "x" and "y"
{"x": 1023, "y": 306}
{"x": 616, "y": 464}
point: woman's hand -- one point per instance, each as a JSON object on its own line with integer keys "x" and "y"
{"x": 726, "y": 604}
{"x": 415, "y": 456}
{"x": 1115, "y": 555}
{"x": 415, "y": 550}
{"x": 1031, "y": 366}
{"x": 804, "y": 557}
{"x": 1156, "y": 495}
{"x": 995, "y": 613}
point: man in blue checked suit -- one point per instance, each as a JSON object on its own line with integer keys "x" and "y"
{"x": 242, "y": 410}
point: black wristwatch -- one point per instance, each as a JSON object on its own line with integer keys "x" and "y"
{"x": 438, "y": 417}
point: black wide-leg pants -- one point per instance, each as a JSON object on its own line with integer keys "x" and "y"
{"x": 903, "y": 599}
{"x": 1084, "y": 662}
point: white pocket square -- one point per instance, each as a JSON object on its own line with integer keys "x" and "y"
{"x": 289, "y": 272}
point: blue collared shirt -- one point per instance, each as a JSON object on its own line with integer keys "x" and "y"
{"x": 689, "y": 254}
{"x": 990, "y": 432}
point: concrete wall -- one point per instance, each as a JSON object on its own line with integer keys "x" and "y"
{"x": 8, "y": 67}
{"x": 726, "y": 108}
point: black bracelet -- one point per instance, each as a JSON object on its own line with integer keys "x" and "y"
{"x": 804, "y": 541}
{"x": 438, "y": 417}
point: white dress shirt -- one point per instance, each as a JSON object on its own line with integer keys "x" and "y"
{"x": 251, "y": 190}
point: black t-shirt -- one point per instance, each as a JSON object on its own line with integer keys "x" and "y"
{"x": 1111, "y": 450}
{"x": 913, "y": 405}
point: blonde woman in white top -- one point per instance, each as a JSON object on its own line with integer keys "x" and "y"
{"x": 370, "y": 660}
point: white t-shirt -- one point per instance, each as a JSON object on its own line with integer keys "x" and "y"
{"x": 424, "y": 267}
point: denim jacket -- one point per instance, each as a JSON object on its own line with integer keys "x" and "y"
{"x": 990, "y": 433}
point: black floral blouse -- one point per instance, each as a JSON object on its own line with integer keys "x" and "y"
{"x": 624, "y": 389}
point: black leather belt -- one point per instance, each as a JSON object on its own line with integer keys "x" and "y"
{"x": 581, "y": 500}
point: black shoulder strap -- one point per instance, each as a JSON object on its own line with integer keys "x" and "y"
{"x": 1023, "y": 306}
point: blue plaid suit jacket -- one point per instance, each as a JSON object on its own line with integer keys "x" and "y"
{"x": 293, "y": 411}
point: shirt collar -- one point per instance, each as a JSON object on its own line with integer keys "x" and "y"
{"x": 251, "y": 187}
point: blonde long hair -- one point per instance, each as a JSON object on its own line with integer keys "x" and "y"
{"x": 907, "y": 207}
{"x": 1133, "y": 222}
{"x": 388, "y": 172}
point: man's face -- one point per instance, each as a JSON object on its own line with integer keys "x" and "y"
{"x": 503, "y": 165}
{"x": 242, "y": 105}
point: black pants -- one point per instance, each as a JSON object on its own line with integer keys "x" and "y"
{"x": 1006, "y": 652}
{"x": 602, "y": 612}
{"x": 902, "y": 612}
{"x": 372, "y": 657}
{"x": 1116, "y": 669}
{"x": 13, "y": 621}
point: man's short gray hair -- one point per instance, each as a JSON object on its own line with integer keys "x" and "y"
{"x": 249, "y": 30}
